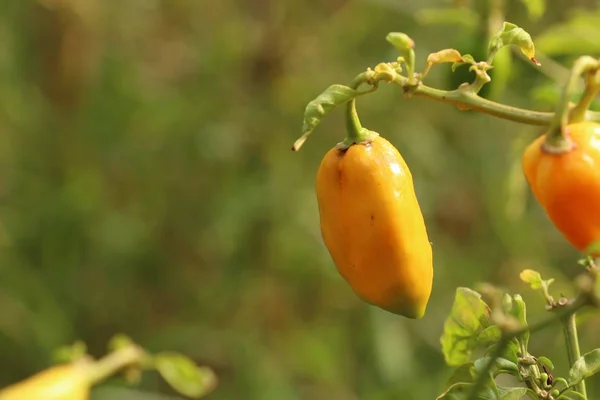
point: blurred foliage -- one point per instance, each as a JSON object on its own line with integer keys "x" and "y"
{"x": 147, "y": 185}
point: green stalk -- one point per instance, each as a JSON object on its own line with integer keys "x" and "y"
{"x": 573, "y": 350}
{"x": 556, "y": 140}
{"x": 355, "y": 133}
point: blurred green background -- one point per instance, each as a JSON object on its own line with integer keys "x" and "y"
{"x": 147, "y": 185}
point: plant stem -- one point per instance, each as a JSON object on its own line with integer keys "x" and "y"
{"x": 114, "y": 362}
{"x": 466, "y": 100}
{"x": 573, "y": 350}
{"x": 556, "y": 141}
{"x": 353, "y": 125}
{"x": 560, "y": 314}
{"x": 591, "y": 90}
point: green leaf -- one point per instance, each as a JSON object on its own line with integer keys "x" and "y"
{"x": 501, "y": 366}
{"x": 184, "y": 375}
{"x": 535, "y": 8}
{"x": 489, "y": 335}
{"x": 509, "y": 353}
{"x": 545, "y": 361}
{"x": 463, "y": 374}
{"x": 535, "y": 281}
{"x": 511, "y": 34}
{"x": 468, "y": 318}
{"x": 460, "y": 391}
{"x": 572, "y": 396}
{"x": 533, "y": 278}
{"x": 332, "y": 97}
{"x": 586, "y": 366}
{"x": 512, "y": 393}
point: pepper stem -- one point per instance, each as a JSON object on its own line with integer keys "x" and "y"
{"x": 556, "y": 139}
{"x": 355, "y": 133}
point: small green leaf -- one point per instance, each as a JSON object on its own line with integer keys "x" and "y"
{"x": 401, "y": 41}
{"x": 489, "y": 335}
{"x": 511, "y": 34}
{"x": 545, "y": 361}
{"x": 184, "y": 375}
{"x": 586, "y": 366}
{"x": 333, "y": 96}
{"x": 501, "y": 366}
{"x": 533, "y": 278}
{"x": 512, "y": 393}
{"x": 535, "y": 8}
{"x": 468, "y": 318}
{"x": 460, "y": 391}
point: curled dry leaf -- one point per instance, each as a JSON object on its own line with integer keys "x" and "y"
{"x": 442, "y": 56}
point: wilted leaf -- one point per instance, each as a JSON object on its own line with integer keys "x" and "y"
{"x": 442, "y": 56}
{"x": 318, "y": 108}
{"x": 468, "y": 318}
{"x": 511, "y": 34}
{"x": 586, "y": 366}
{"x": 184, "y": 375}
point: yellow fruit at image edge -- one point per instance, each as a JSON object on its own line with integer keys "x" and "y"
{"x": 62, "y": 382}
{"x": 373, "y": 227}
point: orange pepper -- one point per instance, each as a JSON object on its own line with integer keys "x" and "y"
{"x": 373, "y": 227}
{"x": 61, "y": 382}
{"x": 567, "y": 184}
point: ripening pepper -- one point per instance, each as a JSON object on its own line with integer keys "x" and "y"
{"x": 61, "y": 382}
{"x": 373, "y": 227}
{"x": 567, "y": 183}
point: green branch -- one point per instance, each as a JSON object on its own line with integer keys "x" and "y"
{"x": 573, "y": 350}
{"x": 560, "y": 314}
{"x": 465, "y": 99}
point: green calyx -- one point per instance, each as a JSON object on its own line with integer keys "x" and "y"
{"x": 363, "y": 136}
